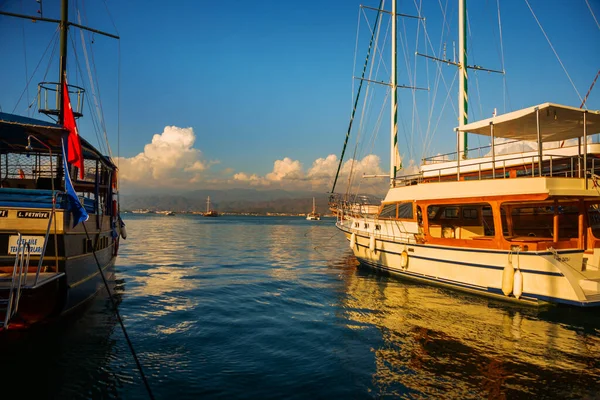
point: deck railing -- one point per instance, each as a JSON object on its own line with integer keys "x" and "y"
{"x": 515, "y": 167}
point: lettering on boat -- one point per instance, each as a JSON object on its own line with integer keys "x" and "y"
{"x": 33, "y": 214}
{"x": 36, "y": 244}
{"x": 3, "y": 213}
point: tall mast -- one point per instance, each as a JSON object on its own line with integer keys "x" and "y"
{"x": 208, "y": 204}
{"x": 463, "y": 100}
{"x": 394, "y": 102}
{"x": 64, "y": 27}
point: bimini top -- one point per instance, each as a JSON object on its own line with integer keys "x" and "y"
{"x": 557, "y": 122}
{"x": 14, "y": 130}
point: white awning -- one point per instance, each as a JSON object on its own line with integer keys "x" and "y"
{"x": 557, "y": 122}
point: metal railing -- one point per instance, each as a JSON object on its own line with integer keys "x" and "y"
{"x": 18, "y": 278}
{"x": 552, "y": 166}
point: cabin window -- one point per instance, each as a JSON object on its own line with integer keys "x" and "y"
{"x": 457, "y": 221}
{"x": 388, "y": 211}
{"x": 405, "y": 210}
{"x": 537, "y": 220}
{"x": 366, "y": 226}
{"x": 451, "y": 212}
{"x": 377, "y": 227}
{"x": 594, "y": 219}
{"x": 469, "y": 213}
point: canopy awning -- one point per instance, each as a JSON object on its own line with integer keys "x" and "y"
{"x": 557, "y": 122}
{"x": 14, "y": 130}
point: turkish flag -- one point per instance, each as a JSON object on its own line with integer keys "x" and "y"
{"x": 74, "y": 151}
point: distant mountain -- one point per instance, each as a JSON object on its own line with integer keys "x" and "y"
{"x": 234, "y": 200}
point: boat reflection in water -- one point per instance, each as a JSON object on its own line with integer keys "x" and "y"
{"x": 435, "y": 342}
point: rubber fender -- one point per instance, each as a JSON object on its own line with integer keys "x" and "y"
{"x": 518, "y": 285}
{"x": 404, "y": 259}
{"x": 508, "y": 279}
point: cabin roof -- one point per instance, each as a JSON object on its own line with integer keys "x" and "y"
{"x": 14, "y": 130}
{"x": 557, "y": 122}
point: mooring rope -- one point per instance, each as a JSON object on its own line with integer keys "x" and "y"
{"x": 118, "y": 315}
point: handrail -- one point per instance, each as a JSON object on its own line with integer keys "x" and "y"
{"x": 18, "y": 266}
{"x": 43, "y": 253}
{"x": 570, "y": 167}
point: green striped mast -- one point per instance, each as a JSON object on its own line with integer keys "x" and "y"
{"x": 362, "y": 79}
{"x": 395, "y": 164}
{"x": 463, "y": 100}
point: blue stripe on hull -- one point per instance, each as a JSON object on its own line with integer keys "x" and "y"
{"x": 523, "y": 270}
{"x": 526, "y": 298}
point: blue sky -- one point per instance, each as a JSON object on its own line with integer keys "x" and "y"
{"x": 255, "y": 93}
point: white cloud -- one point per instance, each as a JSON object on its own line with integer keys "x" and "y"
{"x": 290, "y": 174}
{"x": 286, "y": 169}
{"x": 169, "y": 160}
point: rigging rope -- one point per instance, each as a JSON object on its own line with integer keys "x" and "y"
{"x": 593, "y": 15}
{"x": 589, "y": 90}
{"x": 505, "y": 89}
{"x": 552, "y": 47}
{"x": 97, "y": 102}
{"x": 52, "y": 40}
{"x": 356, "y": 101}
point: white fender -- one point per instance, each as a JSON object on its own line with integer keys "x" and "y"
{"x": 352, "y": 240}
{"x": 372, "y": 243}
{"x": 404, "y": 259}
{"x": 122, "y": 229}
{"x": 518, "y": 286}
{"x": 508, "y": 279}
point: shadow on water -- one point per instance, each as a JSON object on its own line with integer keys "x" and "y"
{"x": 445, "y": 344}
{"x": 73, "y": 357}
{"x": 278, "y": 308}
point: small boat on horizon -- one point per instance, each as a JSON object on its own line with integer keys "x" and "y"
{"x": 313, "y": 215}
{"x": 209, "y": 212}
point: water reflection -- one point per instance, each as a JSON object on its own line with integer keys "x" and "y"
{"x": 440, "y": 343}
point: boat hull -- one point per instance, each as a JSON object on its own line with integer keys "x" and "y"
{"x": 545, "y": 279}
{"x": 72, "y": 291}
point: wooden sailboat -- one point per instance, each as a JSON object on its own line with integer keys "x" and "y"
{"x": 313, "y": 215}
{"x": 209, "y": 212}
{"x": 59, "y": 214}
{"x": 523, "y": 227}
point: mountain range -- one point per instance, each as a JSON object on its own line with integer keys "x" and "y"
{"x": 232, "y": 200}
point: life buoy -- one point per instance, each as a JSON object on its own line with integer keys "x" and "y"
{"x": 508, "y": 279}
{"x": 518, "y": 284}
{"x": 404, "y": 259}
{"x": 21, "y": 173}
{"x": 352, "y": 240}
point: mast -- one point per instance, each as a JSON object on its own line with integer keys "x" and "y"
{"x": 64, "y": 27}
{"x": 208, "y": 204}
{"x": 394, "y": 103}
{"x": 463, "y": 99}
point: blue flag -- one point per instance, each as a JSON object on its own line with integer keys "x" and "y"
{"x": 73, "y": 203}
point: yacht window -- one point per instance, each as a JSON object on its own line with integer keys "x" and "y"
{"x": 405, "y": 211}
{"x": 388, "y": 211}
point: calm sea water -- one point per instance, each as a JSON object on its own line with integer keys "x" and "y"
{"x": 277, "y": 307}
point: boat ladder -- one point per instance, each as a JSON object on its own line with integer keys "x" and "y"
{"x": 15, "y": 282}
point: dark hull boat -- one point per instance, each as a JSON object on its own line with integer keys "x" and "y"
{"x": 59, "y": 216}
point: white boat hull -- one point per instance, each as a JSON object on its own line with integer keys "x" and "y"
{"x": 547, "y": 277}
